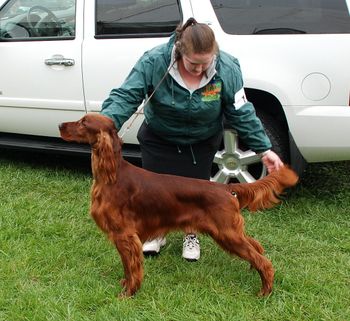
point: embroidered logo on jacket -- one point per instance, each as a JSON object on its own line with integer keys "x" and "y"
{"x": 211, "y": 92}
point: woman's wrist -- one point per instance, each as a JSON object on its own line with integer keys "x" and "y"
{"x": 262, "y": 154}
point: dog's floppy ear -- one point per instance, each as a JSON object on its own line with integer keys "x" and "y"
{"x": 106, "y": 159}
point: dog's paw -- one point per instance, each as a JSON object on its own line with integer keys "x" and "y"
{"x": 265, "y": 292}
{"x": 127, "y": 291}
{"x": 124, "y": 295}
{"x": 123, "y": 283}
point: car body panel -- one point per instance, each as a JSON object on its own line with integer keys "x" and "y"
{"x": 316, "y": 118}
{"x": 308, "y": 74}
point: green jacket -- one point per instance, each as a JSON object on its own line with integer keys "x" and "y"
{"x": 182, "y": 117}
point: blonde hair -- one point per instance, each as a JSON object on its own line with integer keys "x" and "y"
{"x": 194, "y": 37}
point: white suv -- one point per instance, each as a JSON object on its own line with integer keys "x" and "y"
{"x": 60, "y": 58}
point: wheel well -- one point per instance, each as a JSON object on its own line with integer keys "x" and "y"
{"x": 269, "y": 104}
{"x": 270, "y": 111}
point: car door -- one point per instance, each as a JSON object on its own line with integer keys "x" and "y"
{"x": 117, "y": 33}
{"x": 40, "y": 65}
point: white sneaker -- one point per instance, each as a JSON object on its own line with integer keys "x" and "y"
{"x": 191, "y": 250}
{"x": 152, "y": 247}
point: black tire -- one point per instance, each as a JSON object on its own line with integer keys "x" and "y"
{"x": 277, "y": 134}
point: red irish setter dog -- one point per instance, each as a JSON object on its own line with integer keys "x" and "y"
{"x": 132, "y": 205}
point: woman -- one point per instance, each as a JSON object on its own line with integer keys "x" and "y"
{"x": 192, "y": 85}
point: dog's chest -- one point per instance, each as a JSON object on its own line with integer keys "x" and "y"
{"x": 99, "y": 208}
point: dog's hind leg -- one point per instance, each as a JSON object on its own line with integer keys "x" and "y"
{"x": 256, "y": 244}
{"x": 249, "y": 251}
{"x": 129, "y": 247}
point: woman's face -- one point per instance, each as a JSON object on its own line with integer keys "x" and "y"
{"x": 197, "y": 63}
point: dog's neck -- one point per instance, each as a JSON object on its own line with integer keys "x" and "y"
{"x": 106, "y": 158}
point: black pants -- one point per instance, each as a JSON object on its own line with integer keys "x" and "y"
{"x": 160, "y": 156}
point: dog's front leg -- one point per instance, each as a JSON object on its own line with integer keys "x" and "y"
{"x": 129, "y": 247}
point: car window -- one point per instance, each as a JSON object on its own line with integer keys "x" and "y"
{"x": 133, "y": 18}
{"x": 282, "y": 16}
{"x": 37, "y": 20}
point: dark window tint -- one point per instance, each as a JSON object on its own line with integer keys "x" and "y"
{"x": 136, "y": 17}
{"x": 282, "y": 17}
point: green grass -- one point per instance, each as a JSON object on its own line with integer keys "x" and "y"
{"x": 56, "y": 265}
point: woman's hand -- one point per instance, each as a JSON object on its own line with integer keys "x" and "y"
{"x": 272, "y": 161}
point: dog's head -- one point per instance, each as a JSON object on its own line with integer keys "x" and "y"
{"x": 98, "y": 131}
{"x": 88, "y": 129}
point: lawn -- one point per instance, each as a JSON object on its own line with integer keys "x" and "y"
{"x": 56, "y": 265}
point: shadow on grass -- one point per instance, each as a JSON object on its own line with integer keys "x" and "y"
{"x": 36, "y": 159}
{"x": 50, "y": 160}
{"x": 326, "y": 180}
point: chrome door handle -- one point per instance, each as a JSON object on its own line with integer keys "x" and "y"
{"x": 59, "y": 60}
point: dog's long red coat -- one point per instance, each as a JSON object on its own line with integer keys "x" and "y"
{"x": 132, "y": 205}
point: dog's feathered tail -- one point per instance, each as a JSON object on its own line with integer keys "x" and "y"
{"x": 265, "y": 192}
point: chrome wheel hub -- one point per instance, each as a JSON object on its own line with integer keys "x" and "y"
{"x": 234, "y": 163}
